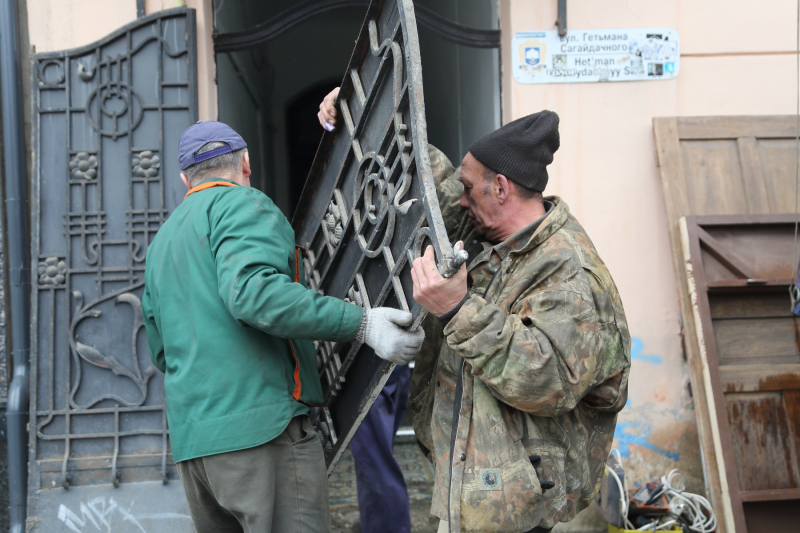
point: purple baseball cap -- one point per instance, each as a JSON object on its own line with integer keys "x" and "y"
{"x": 205, "y": 131}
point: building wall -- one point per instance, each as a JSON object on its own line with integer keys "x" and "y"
{"x": 64, "y": 24}
{"x": 735, "y": 60}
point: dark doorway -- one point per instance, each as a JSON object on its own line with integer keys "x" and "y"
{"x": 303, "y": 133}
{"x": 270, "y": 92}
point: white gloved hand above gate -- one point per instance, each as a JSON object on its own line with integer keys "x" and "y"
{"x": 385, "y": 334}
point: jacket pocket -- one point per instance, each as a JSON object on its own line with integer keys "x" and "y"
{"x": 500, "y": 492}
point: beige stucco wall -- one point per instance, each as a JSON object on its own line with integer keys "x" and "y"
{"x": 735, "y": 60}
{"x": 63, "y": 24}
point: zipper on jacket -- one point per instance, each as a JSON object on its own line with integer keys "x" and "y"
{"x": 454, "y": 431}
{"x": 457, "y": 410}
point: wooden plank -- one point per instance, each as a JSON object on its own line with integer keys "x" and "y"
{"x": 778, "y": 161}
{"x": 750, "y": 219}
{"x": 729, "y": 505}
{"x": 725, "y": 255}
{"x": 762, "y": 439}
{"x": 734, "y": 127}
{"x": 750, "y": 378}
{"x": 677, "y": 205}
{"x": 770, "y": 495}
{"x": 751, "y": 304}
{"x": 752, "y": 177}
{"x": 713, "y": 177}
{"x": 791, "y": 403}
{"x": 673, "y": 179}
{"x": 755, "y": 283}
{"x": 755, "y": 340}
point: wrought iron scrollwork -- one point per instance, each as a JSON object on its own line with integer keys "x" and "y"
{"x": 99, "y": 196}
{"x": 371, "y": 207}
{"x": 95, "y": 357}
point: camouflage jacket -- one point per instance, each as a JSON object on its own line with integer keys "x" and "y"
{"x": 535, "y": 363}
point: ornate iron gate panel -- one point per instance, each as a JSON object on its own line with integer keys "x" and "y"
{"x": 107, "y": 119}
{"x": 368, "y": 208}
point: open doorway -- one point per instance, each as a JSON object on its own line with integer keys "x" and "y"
{"x": 270, "y": 85}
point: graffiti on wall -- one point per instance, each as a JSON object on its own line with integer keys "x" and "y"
{"x": 637, "y": 432}
{"x": 106, "y": 515}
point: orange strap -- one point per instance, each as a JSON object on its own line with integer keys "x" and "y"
{"x": 297, "y": 264}
{"x": 298, "y": 387}
{"x": 208, "y": 185}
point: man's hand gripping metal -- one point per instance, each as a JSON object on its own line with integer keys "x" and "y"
{"x": 440, "y": 292}
{"x": 384, "y": 332}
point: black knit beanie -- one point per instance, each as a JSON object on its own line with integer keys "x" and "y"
{"x": 522, "y": 149}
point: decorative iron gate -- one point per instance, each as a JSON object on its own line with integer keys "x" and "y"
{"x": 368, "y": 208}
{"x": 107, "y": 119}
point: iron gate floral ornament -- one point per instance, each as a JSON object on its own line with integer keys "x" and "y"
{"x": 368, "y": 208}
{"x": 52, "y": 271}
{"x": 83, "y": 166}
{"x": 146, "y": 164}
{"x": 104, "y": 115}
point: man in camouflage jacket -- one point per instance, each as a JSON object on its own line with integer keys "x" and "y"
{"x": 518, "y": 385}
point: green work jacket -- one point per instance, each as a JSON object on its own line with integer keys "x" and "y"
{"x": 228, "y": 324}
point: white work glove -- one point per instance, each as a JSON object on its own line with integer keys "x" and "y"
{"x": 391, "y": 342}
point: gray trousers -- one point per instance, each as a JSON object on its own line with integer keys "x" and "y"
{"x": 280, "y": 486}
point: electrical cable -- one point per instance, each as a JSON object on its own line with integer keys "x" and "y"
{"x": 794, "y": 290}
{"x": 692, "y": 512}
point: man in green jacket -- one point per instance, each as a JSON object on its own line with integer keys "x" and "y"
{"x": 230, "y": 323}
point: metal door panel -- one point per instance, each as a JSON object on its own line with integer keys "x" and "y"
{"x": 107, "y": 120}
{"x": 368, "y": 207}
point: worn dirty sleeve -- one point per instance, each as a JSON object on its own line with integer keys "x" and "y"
{"x": 154, "y": 340}
{"x": 448, "y": 192}
{"x": 542, "y": 360}
{"x": 253, "y": 247}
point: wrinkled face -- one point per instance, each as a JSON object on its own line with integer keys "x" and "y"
{"x": 479, "y": 199}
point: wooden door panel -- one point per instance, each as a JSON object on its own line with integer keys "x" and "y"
{"x": 744, "y": 166}
{"x": 765, "y": 249}
{"x": 771, "y": 516}
{"x": 756, "y": 340}
{"x": 740, "y": 266}
{"x": 772, "y": 377}
{"x": 778, "y": 162}
{"x": 712, "y": 169}
{"x": 762, "y": 441}
{"x": 733, "y": 305}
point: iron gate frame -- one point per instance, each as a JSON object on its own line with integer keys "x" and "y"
{"x": 54, "y": 273}
{"x": 338, "y": 203}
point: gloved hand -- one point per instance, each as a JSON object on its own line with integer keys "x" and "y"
{"x": 383, "y": 332}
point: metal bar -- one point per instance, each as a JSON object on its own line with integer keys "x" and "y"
{"x": 114, "y": 473}
{"x": 18, "y": 261}
{"x": 561, "y": 22}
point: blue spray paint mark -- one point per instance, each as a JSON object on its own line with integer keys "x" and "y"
{"x": 636, "y": 352}
{"x": 624, "y": 439}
